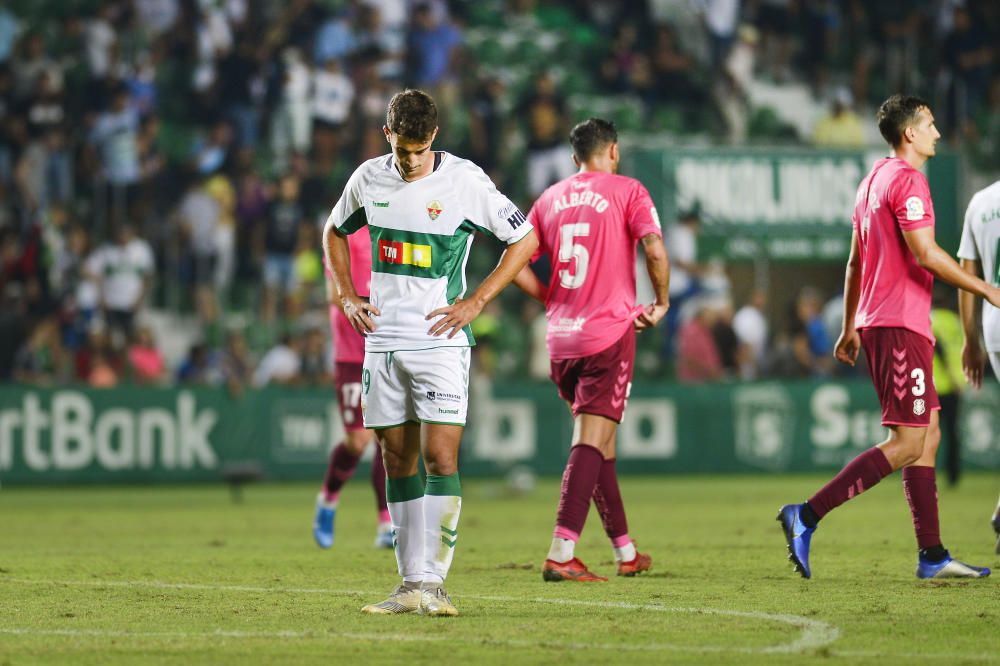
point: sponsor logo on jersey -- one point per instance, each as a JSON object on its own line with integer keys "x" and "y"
{"x": 434, "y": 209}
{"x": 919, "y": 407}
{"x": 380, "y": 204}
{"x": 516, "y": 219}
{"x": 410, "y": 254}
{"x": 914, "y": 209}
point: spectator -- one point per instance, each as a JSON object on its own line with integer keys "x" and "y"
{"x": 308, "y": 269}
{"x": 199, "y": 218}
{"x": 841, "y": 127}
{"x": 752, "y": 328}
{"x": 13, "y": 327}
{"x": 315, "y": 363}
{"x": 332, "y": 102}
{"x": 123, "y": 271}
{"x": 733, "y": 354}
{"x": 146, "y": 365}
{"x": 486, "y": 127}
{"x": 431, "y": 46}
{"x": 549, "y": 158}
{"x": 40, "y": 359}
{"x": 807, "y": 353}
{"x": 685, "y": 271}
{"x": 211, "y": 155}
{"x": 721, "y": 18}
{"x": 698, "y": 358}
{"x": 115, "y": 138}
{"x": 968, "y": 54}
{"x": 281, "y": 236}
{"x": 199, "y": 367}
{"x": 291, "y": 122}
{"x": 731, "y": 90}
{"x": 281, "y": 364}
{"x": 96, "y": 361}
{"x": 235, "y": 363}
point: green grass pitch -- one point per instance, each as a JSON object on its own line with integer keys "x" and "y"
{"x": 182, "y": 575}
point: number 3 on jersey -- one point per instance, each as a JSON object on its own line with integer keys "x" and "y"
{"x": 573, "y": 277}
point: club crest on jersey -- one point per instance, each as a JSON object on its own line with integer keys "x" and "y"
{"x": 434, "y": 209}
{"x": 919, "y": 407}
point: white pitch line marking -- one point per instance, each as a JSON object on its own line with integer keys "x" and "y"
{"x": 814, "y": 634}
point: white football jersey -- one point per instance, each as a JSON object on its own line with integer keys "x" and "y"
{"x": 421, "y": 235}
{"x": 981, "y": 241}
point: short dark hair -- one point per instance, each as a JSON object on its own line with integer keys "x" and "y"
{"x": 896, "y": 114}
{"x": 413, "y": 114}
{"x": 590, "y": 136}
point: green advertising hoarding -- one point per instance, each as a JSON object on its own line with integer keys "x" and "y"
{"x": 785, "y": 204}
{"x": 71, "y": 435}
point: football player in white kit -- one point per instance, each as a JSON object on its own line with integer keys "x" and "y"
{"x": 422, "y": 209}
{"x": 979, "y": 252}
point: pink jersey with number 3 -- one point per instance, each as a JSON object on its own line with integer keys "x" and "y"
{"x": 895, "y": 290}
{"x": 589, "y": 224}
{"x": 348, "y": 344}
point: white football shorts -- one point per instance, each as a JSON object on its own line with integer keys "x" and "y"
{"x": 995, "y": 362}
{"x": 423, "y": 386}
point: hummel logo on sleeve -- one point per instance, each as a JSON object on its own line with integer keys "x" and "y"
{"x": 516, "y": 220}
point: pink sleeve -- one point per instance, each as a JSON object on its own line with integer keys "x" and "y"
{"x": 642, "y": 216}
{"x": 910, "y": 198}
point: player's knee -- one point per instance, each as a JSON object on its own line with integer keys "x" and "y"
{"x": 441, "y": 464}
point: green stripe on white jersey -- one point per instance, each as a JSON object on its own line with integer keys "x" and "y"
{"x": 421, "y": 233}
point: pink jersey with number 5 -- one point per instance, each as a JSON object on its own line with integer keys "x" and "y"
{"x": 589, "y": 224}
{"x": 895, "y": 290}
{"x": 348, "y": 344}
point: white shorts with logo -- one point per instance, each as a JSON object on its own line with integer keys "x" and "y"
{"x": 423, "y": 386}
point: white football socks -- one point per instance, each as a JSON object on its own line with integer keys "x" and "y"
{"x": 442, "y": 508}
{"x": 561, "y": 550}
{"x": 406, "y": 508}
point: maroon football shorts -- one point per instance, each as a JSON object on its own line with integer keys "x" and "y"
{"x": 348, "y": 377}
{"x": 600, "y": 383}
{"x": 901, "y": 363}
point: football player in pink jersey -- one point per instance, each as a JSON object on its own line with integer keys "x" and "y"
{"x": 349, "y": 354}
{"x": 589, "y": 224}
{"x": 887, "y": 298}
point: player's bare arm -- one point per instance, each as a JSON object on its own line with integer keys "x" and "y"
{"x": 463, "y": 311}
{"x": 931, "y": 257}
{"x": 338, "y": 258}
{"x": 658, "y": 268}
{"x": 849, "y": 343}
{"x": 973, "y": 357}
{"x": 528, "y": 282}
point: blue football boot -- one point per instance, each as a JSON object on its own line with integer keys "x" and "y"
{"x": 949, "y": 567}
{"x": 384, "y": 538}
{"x": 323, "y": 524}
{"x": 797, "y": 536}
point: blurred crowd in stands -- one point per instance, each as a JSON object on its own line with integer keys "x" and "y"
{"x": 179, "y": 157}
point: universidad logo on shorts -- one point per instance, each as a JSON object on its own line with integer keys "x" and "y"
{"x": 446, "y": 397}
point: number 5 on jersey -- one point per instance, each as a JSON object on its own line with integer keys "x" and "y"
{"x": 573, "y": 277}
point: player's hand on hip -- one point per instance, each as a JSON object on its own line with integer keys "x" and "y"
{"x": 454, "y": 317}
{"x": 650, "y": 316}
{"x": 848, "y": 346}
{"x": 973, "y": 361}
{"x": 358, "y": 311}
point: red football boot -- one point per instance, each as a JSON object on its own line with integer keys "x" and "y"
{"x": 638, "y": 564}
{"x": 572, "y": 570}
